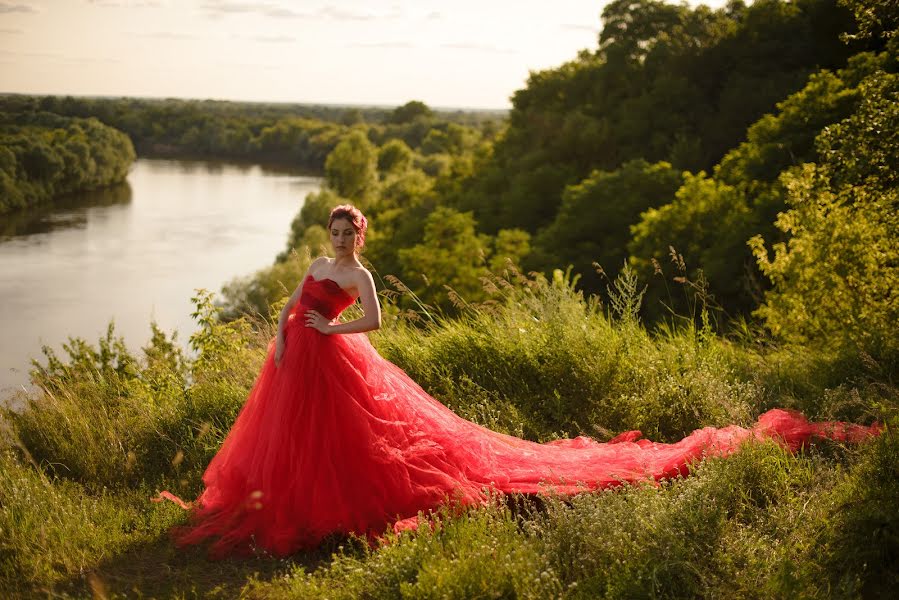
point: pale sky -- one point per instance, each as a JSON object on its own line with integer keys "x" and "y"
{"x": 454, "y": 53}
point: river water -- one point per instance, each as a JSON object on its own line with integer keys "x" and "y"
{"x": 136, "y": 253}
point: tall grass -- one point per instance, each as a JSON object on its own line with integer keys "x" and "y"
{"x": 560, "y": 365}
{"x": 81, "y": 458}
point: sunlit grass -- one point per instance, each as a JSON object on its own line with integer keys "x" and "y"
{"x": 81, "y": 459}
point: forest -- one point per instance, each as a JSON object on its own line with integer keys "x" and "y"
{"x": 689, "y": 224}
{"x": 44, "y": 156}
{"x": 294, "y": 135}
{"x": 710, "y": 152}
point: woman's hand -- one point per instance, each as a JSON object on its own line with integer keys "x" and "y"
{"x": 279, "y": 348}
{"x": 315, "y": 320}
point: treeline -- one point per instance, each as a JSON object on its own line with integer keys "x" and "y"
{"x": 686, "y": 135}
{"x": 299, "y": 135}
{"x": 43, "y": 155}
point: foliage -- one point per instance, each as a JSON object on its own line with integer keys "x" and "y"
{"x": 110, "y": 419}
{"x": 410, "y": 111}
{"x": 595, "y": 217}
{"x": 667, "y": 83}
{"x": 351, "y": 168}
{"x": 536, "y": 360}
{"x": 835, "y": 280}
{"x": 450, "y": 255}
{"x": 394, "y": 157}
{"x": 300, "y": 135}
{"x": 43, "y": 156}
{"x": 707, "y": 223}
{"x": 875, "y": 18}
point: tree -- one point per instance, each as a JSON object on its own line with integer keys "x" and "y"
{"x": 876, "y": 18}
{"x": 836, "y": 280}
{"x": 707, "y": 224}
{"x": 594, "y": 220}
{"x": 451, "y": 254}
{"x": 666, "y": 83}
{"x": 394, "y": 157}
{"x": 510, "y": 245}
{"x": 410, "y": 111}
{"x": 351, "y": 168}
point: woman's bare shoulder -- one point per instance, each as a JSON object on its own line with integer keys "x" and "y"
{"x": 362, "y": 275}
{"x": 318, "y": 263}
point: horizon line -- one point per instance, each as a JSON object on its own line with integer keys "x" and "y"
{"x": 283, "y": 102}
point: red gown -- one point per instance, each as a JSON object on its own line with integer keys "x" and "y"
{"x": 338, "y": 439}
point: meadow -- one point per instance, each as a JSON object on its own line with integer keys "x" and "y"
{"x": 108, "y": 429}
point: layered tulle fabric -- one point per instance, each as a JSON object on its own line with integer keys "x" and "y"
{"x": 337, "y": 439}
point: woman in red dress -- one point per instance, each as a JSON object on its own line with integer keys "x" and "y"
{"x": 333, "y": 438}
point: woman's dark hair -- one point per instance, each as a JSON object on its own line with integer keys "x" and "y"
{"x": 354, "y": 216}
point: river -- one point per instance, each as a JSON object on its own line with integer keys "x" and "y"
{"x": 136, "y": 253}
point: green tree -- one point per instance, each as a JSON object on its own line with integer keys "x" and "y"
{"x": 666, "y": 83}
{"x": 451, "y": 254}
{"x": 397, "y": 219}
{"x": 593, "y": 223}
{"x": 707, "y": 224}
{"x": 410, "y": 111}
{"x": 394, "y": 157}
{"x": 510, "y": 245}
{"x": 836, "y": 279}
{"x": 876, "y": 18}
{"x": 351, "y": 168}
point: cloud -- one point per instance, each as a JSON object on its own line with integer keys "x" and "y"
{"x": 349, "y": 15}
{"x": 55, "y": 57}
{"x": 576, "y": 27}
{"x": 274, "y": 39}
{"x": 8, "y": 7}
{"x": 167, "y": 35}
{"x": 220, "y": 8}
{"x": 127, "y": 3}
{"x": 477, "y": 47}
{"x": 252, "y": 66}
{"x": 267, "y": 39}
{"x": 229, "y": 7}
{"x": 385, "y": 45}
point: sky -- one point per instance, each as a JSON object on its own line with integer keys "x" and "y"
{"x": 450, "y": 53}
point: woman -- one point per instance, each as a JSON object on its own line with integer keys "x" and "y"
{"x": 334, "y": 438}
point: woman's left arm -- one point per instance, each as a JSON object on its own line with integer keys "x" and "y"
{"x": 371, "y": 309}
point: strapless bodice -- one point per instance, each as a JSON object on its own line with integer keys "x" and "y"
{"x": 325, "y": 296}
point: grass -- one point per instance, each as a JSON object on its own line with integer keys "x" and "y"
{"x": 80, "y": 460}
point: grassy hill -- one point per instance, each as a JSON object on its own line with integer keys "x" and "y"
{"x": 108, "y": 429}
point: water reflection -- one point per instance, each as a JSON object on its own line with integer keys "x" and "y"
{"x": 64, "y": 213}
{"x": 214, "y": 167}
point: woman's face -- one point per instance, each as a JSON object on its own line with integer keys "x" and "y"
{"x": 343, "y": 237}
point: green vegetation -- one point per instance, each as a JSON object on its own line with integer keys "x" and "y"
{"x": 300, "y": 135}
{"x": 43, "y": 156}
{"x": 108, "y": 429}
{"x": 589, "y": 170}
{"x": 295, "y": 135}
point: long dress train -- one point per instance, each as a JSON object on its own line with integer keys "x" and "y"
{"x": 338, "y": 439}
